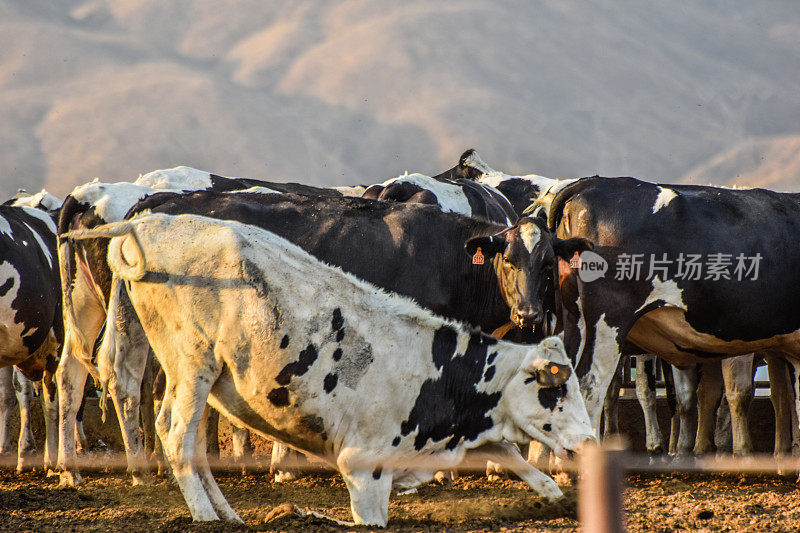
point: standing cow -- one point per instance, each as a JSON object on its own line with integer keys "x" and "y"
{"x": 85, "y": 284}
{"x": 31, "y": 329}
{"x": 694, "y": 274}
{"x": 290, "y": 347}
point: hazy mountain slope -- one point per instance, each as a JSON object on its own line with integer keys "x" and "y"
{"x": 355, "y": 91}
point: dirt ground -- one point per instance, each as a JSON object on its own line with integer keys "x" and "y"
{"x": 654, "y": 502}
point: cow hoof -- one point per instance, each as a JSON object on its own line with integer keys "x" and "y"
{"x": 141, "y": 478}
{"x": 494, "y": 478}
{"x": 50, "y": 472}
{"x": 69, "y": 479}
{"x": 25, "y": 463}
{"x": 445, "y": 479}
{"x": 284, "y": 477}
{"x": 406, "y": 492}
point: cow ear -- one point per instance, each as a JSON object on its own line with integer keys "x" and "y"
{"x": 566, "y": 248}
{"x": 489, "y": 245}
{"x": 549, "y": 374}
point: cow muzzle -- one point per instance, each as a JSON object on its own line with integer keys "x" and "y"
{"x": 580, "y": 448}
{"x": 527, "y": 316}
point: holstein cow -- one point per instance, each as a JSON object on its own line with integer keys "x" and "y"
{"x": 452, "y": 195}
{"x": 520, "y": 191}
{"x": 31, "y": 329}
{"x": 693, "y": 273}
{"x": 85, "y": 285}
{"x": 530, "y": 191}
{"x": 415, "y": 251}
{"x": 290, "y": 347}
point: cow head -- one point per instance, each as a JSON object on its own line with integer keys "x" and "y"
{"x": 524, "y": 257}
{"x": 544, "y": 401}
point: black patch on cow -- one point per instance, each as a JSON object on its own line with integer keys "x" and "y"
{"x": 337, "y": 354}
{"x": 299, "y": 367}
{"x": 530, "y": 379}
{"x": 549, "y": 396}
{"x": 329, "y": 383}
{"x": 376, "y": 474}
{"x": 547, "y": 427}
{"x": 396, "y": 441}
{"x": 279, "y": 397}
{"x": 491, "y": 358}
{"x": 489, "y": 374}
{"x": 450, "y": 407}
{"x": 324, "y": 435}
{"x": 340, "y": 335}
{"x": 338, "y": 321}
{"x": 444, "y": 345}
{"x": 313, "y": 423}
{"x": 6, "y": 286}
{"x": 284, "y": 341}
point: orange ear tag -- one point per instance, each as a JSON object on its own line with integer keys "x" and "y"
{"x": 477, "y": 259}
{"x": 554, "y": 370}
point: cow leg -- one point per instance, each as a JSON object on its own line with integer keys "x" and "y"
{"x": 738, "y": 374}
{"x": 218, "y": 501}
{"x": 177, "y": 425}
{"x": 26, "y": 447}
{"x": 284, "y": 463}
{"x": 369, "y": 490}
{"x": 723, "y": 434}
{"x": 611, "y": 403}
{"x": 212, "y": 434}
{"x": 7, "y": 401}
{"x": 507, "y": 455}
{"x": 780, "y": 393}
{"x": 81, "y": 442}
{"x": 242, "y": 447}
{"x": 122, "y": 360}
{"x": 146, "y": 407}
{"x": 70, "y": 377}
{"x": 686, "y": 406}
{"x": 646, "y": 393}
{"x": 50, "y": 410}
{"x": 709, "y": 395}
{"x": 672, "y": 405}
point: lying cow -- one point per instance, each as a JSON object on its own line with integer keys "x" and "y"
{"x": 31, "y": 329}
{"x": 714, "y": 267}
{"x": 290, "y": 347}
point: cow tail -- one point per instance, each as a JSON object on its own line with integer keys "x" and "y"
{"x": 107, "y": 350}
{"x": 129, "y": 268}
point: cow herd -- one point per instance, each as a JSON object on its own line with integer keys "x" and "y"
{"x": 388, "y": 329}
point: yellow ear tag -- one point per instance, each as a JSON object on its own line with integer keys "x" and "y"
{"x": 477, "y": 259}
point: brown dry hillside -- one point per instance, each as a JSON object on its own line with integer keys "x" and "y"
{"x": 333, "y": 92}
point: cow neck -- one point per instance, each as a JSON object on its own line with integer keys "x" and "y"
{"x": 487, "y": 306}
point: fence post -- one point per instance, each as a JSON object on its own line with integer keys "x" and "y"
{"x": 600, "y": 489}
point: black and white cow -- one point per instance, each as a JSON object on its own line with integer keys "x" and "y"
{"x": 521, "y": 191}
{"x": 31, "y": 329}
{"x": 742, "y": 300}
{"x": 454, "y": 195}
{"x": 414, "y": 250}
{"x": 85, "y": 285}
{"x": 290, "y": 347}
